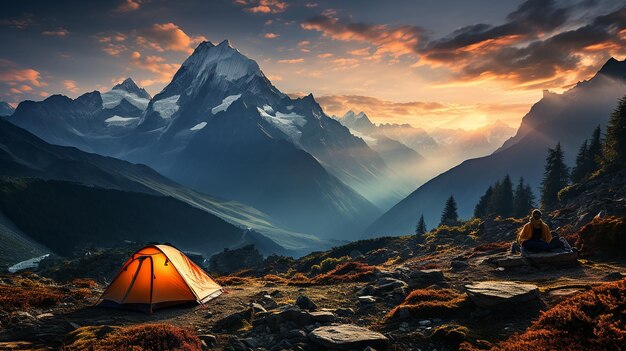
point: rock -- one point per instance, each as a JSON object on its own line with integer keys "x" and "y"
{"x": 489, "y": 294}
{"x": 347, "y": 336}
{"x": 344, "y": 312}
{"x": 426, "y": 277}
{"x": 234, "y": 320}
{"x": 305, "y": 303}
{"x": 268, "y": 302}
{"x": 323, "y": 316}
{"x": 286, "y": 314}
{"x": 366, "y": 290}
{"x": 257, "y": 308}
{"x": 458, "y": 265}
{"x": 44, "y": 315}
{"x": 367, "y": 299}
{"x": 208, "y": 339}
{"x": 389, "y": 284}
{"x": 425, "y": 323}
{"x": 538, "y": 258}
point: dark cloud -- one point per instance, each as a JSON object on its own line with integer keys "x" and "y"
{"x": 531, "y": 46}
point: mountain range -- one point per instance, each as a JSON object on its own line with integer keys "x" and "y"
{"x": 568, "y": 118}
{"x": 93, "y": 178}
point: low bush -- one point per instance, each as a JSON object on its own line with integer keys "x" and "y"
{"x": 430, "y": 303}
{"x": 603, "y": 235}
{"x": 594, "y": 320}
{"x": 154, "y": 337}
{"x": 347, "y": 272}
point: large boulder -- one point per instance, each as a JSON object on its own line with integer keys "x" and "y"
{"x": 347, "y": 336}
{"x": 490, "y": 294}
{"x": 539, "y": 258}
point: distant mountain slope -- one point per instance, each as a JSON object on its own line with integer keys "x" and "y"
{"x": 93, "y": 122}
{"x": 15, "y": 245}
{"x": 568, "y": 118}
{"x": 6, "y": 109}
{"x": 24, "y": 155}
{"x": 63, "y": 216}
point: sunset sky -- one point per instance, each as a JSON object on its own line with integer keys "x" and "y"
{"x": 430, "y": 63}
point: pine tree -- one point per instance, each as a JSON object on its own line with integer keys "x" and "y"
{"x": 615, "y": 143}
{"x": 421, "y": 226}
{"x": 505, "y": 198}
{"x": 523, "y": 199}
{"x": 450, "y": 216}
{"x": 492, "y": 205}
{"x": 594, "y": 153}
{"x": 582, "y": 163}
{"x": 555, "y": 177}
{"x": 482, "y": 207}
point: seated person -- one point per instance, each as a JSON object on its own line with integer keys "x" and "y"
{"x": 535, "y": 236}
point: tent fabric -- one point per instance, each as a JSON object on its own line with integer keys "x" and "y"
{"x": 160, "y": 275}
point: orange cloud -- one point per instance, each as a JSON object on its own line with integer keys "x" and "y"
{"x": 325, "y": 55}
{"x": 70, "y": 85}
{"x": 167, "y": 36}
{"x": 396, "y": 41}
{"x": 128, "y": 6}
{"x": 155, "y": 64}
{"x": 263, "y": 6}
{"x": 12, "y": 76}
{"x": 290, "y": 61}
{"x": 61, "y": 32}
{"x": 271, "y": 35}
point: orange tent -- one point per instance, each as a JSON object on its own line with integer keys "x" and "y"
{"x": 158, "y": 276}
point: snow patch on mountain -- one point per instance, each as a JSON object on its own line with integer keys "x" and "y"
{"x": 166, "y": 107}
{"x": 288, "y": 123}
{"x": 120, "y": 121}
{"x": 225, "y": 103}
{"x": 114, "y": 97}
{"x": 198, "y": 126}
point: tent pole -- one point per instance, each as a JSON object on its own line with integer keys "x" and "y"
{"x": 151, "y": 281}
{"x": 130, "y": 286}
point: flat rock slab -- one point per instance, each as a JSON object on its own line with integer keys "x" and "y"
{"x": 489, "y": 294}
{"x": 539, "y": 258}
{"x": 347, "y": 336}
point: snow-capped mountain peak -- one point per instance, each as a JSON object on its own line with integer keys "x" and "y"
{"x": 221, "y": 61}
{"x": 129, "y": 86}
{"x": 127, "y": 90}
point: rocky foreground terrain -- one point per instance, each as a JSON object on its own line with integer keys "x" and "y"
{"x": 452, "y": 288}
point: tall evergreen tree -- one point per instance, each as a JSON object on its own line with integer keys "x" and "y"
{"x": 523, "y": 199}
{"x": 421, "y": 226}
{"x": 595, "y": 154}
{"x": 482, "y": 207}
{"x": 581, "y": 169}
{"x": 555, "y": 177}
{"x": 615, "y": 143}
{"x": 449, "y": 216}
{"x": 505, "y": 198}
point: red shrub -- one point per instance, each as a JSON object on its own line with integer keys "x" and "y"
{"x": 603, "y": 235}
{"x": 84, "y": 283}
{"x": 430, "y": 302}
{"x": 154, "y": 337}
{"x": 499, "y": 245}
{"x": 593, "y": 320}
{"x": 14, "y": 298}
{"x": 232, "y": 280}
{"x": 347, "y": 272}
